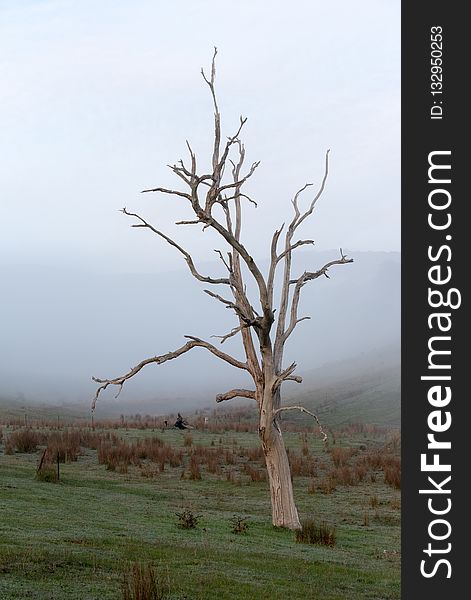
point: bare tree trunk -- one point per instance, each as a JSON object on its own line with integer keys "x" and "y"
{"x": 284, "y": 512}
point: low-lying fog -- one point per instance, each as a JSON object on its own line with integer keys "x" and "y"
{"x": 61, "y": 326}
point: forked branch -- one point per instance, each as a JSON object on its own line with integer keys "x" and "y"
{"x": 231, "y": 333}
{"x": 187, "y": 256}
{"x": 299, "y": 218}
{"x": 300, "y": 282}
{"x": 158, "y": 360}
{"x": 304, "y": 410}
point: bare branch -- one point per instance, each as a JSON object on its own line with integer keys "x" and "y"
{"x": 246, "y": 319}
{"x": 219, "y": 253}
{"x": 226, "y": 357}
{"x": 217, "y": 116}
{"x": 241, "y": 181}
{"x": 286, "y": 374}
{"x": 238, "y": 288}
{"x": 194, "y": 342}
{"x": 309, "y": 276}
{"x": 189, "y": 260}
{"x": 304, "y": 410}
{"x": 193, "y": 159}
{"x": 298, "y": 218}
{"x": 251, "y": 265}
{"x": 181, "y": 172}
{"x": 295, "y": 378}
{"x": 293, "y": 247}
{"x": 235, "y": 393}
{"x": 167, "y": 191}
{"x": 230, "y": 141}
{"x": 213, "y": 195}
{"x": 300, "y": 282}
{"x": 273, "y": 262}
{"x": 232, "y": 333}
{"x": 301, "y": 218}
{"x": 294, "y": 202}
{"x": 240, "y": 195}
{"x": 228, "y": 303}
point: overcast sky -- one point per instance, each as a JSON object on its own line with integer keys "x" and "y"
{"x": 97, "y": 97}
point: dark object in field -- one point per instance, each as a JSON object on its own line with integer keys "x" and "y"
{"x": 46, "y": 471}
{"x": 187, "y": 520}
{"x": 312, "y": 533}
{"x": 239, "y": 524}
{"x": 180, "y": 423}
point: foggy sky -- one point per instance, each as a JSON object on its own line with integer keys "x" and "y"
{"x": 99, "y": 96}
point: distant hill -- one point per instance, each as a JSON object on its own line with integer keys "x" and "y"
{"x": 364, "y": 390}
{"x": 373, "y": 398}
{"x": 14, "y": 409}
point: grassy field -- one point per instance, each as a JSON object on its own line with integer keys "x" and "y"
{"x": 76, "y": 538}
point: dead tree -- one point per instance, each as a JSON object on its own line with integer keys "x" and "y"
{"x": 264, "y": 333}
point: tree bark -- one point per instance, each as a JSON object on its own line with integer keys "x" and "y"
{"x": 284, "y": 512}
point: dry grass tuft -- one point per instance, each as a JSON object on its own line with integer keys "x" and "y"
{"x": 312, "y": 533}
{"x": 142, "y": 583}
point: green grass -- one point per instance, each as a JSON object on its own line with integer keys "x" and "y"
{"x": 73, "y": 540}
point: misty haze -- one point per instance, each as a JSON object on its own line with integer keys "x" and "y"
{"x": 61, "y": 326}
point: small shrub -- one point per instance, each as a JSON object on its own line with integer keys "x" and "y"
{"x": 230, "y": 458}
{"x": 305, "y": 449}
{"x": 9, "y": 447}
{"x": 302, "y": 465}
{"x": 47, "y": 473}
{"x": 239, "y": 524}
{"x": 187, "y": 520}
{"x": 254, "y": 473}
{"x": 360, "y": 472}
{"x": 187, "y": 440}
{"x": 195, "y": 472}
{"x": 312, "y": 533}
{"x": 25, "y": 440}
{"x": 148, "y": 471}
{"x": 344, "y": 475}
{"x": 213, "y": 464}
{"x": 327, "y": 485}
{"x": 65, "y": 446}
{"x": 142, "y": 583}
{"x": 341, "y": 456}
{"x": 392, "y": 475}
{"x": 374, "y": 501}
